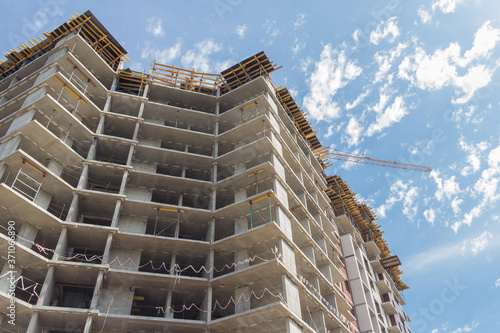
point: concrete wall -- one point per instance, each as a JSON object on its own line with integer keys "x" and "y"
{"x": 45, "y": 75}
{"x": 123, "y": 259}
{"x": 35, "y": 96}
{"x": 287, "y": 256}
{"x": 280, "y": 192}
{"x": 132, "y": 224}
{"x": 138, "y": 193}
{"x": 145, "y": 167}
{"x": 283, "y": 221}
{"x": 56, "y": 55}
{"x": 122, "y": 297}
{"x": 291, "y": 295}
{"x": 21, "y": 120}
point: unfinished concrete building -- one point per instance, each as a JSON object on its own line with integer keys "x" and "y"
{"x": 174, "y": 201}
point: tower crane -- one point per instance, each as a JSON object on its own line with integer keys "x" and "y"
{"x": 374, "y": 161}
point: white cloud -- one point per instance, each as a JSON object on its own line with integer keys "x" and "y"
{"x": 154, "y": 26}
{"x": 440, "y": 69}
{"x": 359, "y": 99}
{"x": 240, "y": 30}
{"x": 354, "y": 130}
{"x": 425, "y": 16}
{"x": 474, "y": 157}
{"x": 446, "y": 6}
{"x": 445, "y": 187}
{"x": 165, "y": 56}
{"x": 401, "y": 192}
{"x": 485, "y": 40}
{"x": 430, "y": 215}
{"x": 297, "y": 46}
{"x": 386, "y": 29}
{"x": 427, "y": 260}
{"x": 433, "y": 71}
{"x": 497, "y": 283}
{"x": 332, "y": 72}
{"x": 385, "y": 60}
{"x": 476, "y": 78}
{"x": 199, "y": 57}
{"x": 487, "y": 187}
{"x": 300, "y": 21}
{"x": 330, "y": 132}
{"x": 304, "y": 64}
{"x": 467, "y": 328}
{"x": 392, "y": 114}
{"x": 271, "y": 32}
{"x": 477, "y": 244}
{"x": 356, "y": 34}
{"x": 455, "y": 205}
{"x": 430, "y": 258}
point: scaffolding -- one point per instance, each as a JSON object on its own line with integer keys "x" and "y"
{"x": 26, "y": 184}
{"x": 343, "y": 202}
{"x": 85, "y": 25}
{"x": 185, "y": 79}
{"x": 131, "y": 82}
{"x": 245, "y": 71}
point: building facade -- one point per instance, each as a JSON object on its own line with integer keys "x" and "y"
{"x": 174, "y": 201}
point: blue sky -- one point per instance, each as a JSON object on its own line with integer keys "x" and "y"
{"x": 416, "y": 82}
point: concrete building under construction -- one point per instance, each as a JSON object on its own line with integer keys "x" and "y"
{"x": 174, "y": 201}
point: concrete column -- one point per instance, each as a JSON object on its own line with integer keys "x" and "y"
{"x": 92, "y": 151}
{"x": 130, "y": 155}
{"x": 47, "y": 288}
{"x": 136, "y": 131}
{"x": 210, "y": 236}
{"x": 88, "y": 325}
{"x": 107, "y": 249}
{"x": 107, "y": 105}
{"x": 214, "y": 171}
{"x": 181, "y": 197}
{"x": 146, "y": 90}
{"x": 116, "y": 214}
{"x": 177, "y": 228}
{"x": 213, "y": 200}
{"x": 83, "y": 182}
{"x": 240, "y": 225}
{"x": 172, "y": 264}
{"x": 209, "y": 265}
{"x": 100, "y": 127}
{"x": 73, "y": 210}
{"x": 27, "y": 234}
{"x": 97, "y": 289}
{"x": 168, "y": 305}
{"x": 141, "y": 110}
{"x": 242, "y": 299}
{"x": 239, "y": 258}
{"x": 62, "y": 244}
{"x": 34, "y": 325}
{"x": 123, "y": 183}
{"x": 207, "y": 305}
